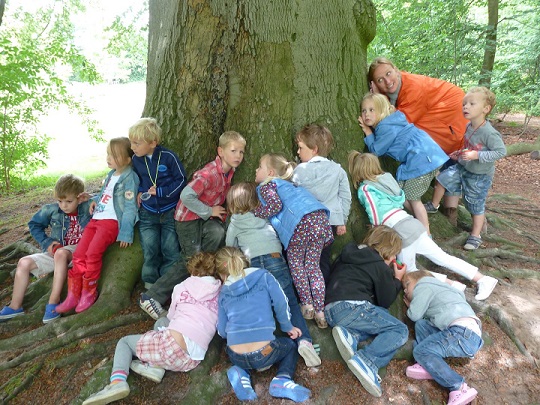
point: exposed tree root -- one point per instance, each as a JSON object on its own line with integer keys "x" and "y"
{"x": 16, "y": 250}
{"x": 13, "y": 387}
{"x": 94, "y": 351}
{"x": 504, "y": 254}
{"x": 69, "y": 337}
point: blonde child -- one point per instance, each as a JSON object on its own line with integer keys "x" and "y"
{"x": 445, "y": 326}
{"x": 389, "y": 133}
{"x": 260, "y": 244}
{"x": 179, "y": 346}
{"x": 323, "y": 178}
{"x": 200, "y": 215}
{"x": 472, "y": 176}
{"x": 162, "y": 179}
{"x": 66, "y": 219}
{"x": 383, "y": 199}
{"x": 302, "y": 225}
{"x": 247, "y": 303}
{"x": 114, "y": 215}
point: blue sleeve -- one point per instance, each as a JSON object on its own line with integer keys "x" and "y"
{"x": 178, "y": 177}
{"x": 39, "y": 223}
{"x": 222, "y": 320}
{"x": 129, "y": 216}
{"x": 379, "y": 142}
{"x": 279, "y": 303}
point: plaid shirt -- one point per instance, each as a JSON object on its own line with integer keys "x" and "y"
{"x": 211, "y": 185}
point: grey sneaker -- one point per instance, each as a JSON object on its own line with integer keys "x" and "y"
{"x": 111, "y": 393}
{"x": 151, "y": 306}
{"x": 345, "y": 342}
{"x": 430, "y": 208}
{"x": 369, "y": 380}
{"x": 473, "y": 243}
{"x": 146, "y": 370}
{"x": 308, "y": 353}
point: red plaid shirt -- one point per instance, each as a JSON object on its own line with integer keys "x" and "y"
{"x": 211, "y": 185}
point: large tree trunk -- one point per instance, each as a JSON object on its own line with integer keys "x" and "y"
{"x": 491, "y": 44}
{"x": 262, "y": 68}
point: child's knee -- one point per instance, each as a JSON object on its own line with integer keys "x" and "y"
{"x": 62, "y": 255}
{"x": 25, "y": 266}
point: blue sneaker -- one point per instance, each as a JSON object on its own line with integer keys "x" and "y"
{"x": 345, "y": 342}
{"x": 8, "y": 313}
{"x": 241, "y": 384}
{"x": 369, "y": 380}
{"x": 287, "y": 388}
{"x": 50, "y": 313}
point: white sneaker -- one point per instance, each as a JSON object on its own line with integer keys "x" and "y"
{"x": 308, "y": 353}
{"x": 111, "y": 393}
{"x": 146, "y": 370}
{"x": 486, "y": 285}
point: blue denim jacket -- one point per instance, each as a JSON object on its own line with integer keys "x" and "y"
{"x": 50, "y": 215}
{"x": 125, "y": 202}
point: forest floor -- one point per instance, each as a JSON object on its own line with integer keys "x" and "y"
{"x": 500, "y": 372}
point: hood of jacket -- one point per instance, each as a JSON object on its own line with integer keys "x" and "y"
{"x": 387, "y": 184}
{"x": 249, "y": 222}
{"x": 235, "y": 286}
{"x": 201, "y": 289}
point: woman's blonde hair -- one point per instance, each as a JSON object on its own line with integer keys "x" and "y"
{"x": 242, "y": 198}
{"x": 383, "y": 108}
{"x": 376, "y": 63}
{"x": 363, "y": 166}
{"x": 384, "y": 240}
{"x": 282, "y": 167}
{"x": 120, "y": 150}
{"x": 231, "y": 261}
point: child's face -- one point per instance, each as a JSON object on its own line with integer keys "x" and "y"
{"x": 113, "y": 164}
{"x": 475, "y": 107}
{"x": 263, "y": 171}
{"x": 408, "y": 288}
{"x": 369, "y": 115}
{"x": 231, "y": 155}
{"x": 142, "y": 148}
{"x": 305, "y": 153}
{"x": 68, "y": 204}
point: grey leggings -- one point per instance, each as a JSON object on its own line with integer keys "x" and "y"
{"x": 126, "y": 349}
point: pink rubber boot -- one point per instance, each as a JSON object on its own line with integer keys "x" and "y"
{"x": 74, "y": 294}
{"x": 89, "y": 294}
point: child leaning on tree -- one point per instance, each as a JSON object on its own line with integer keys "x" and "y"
{"x": 66, "y": 220}
{"x": 114, "y": 216}
{"x": 162, "y": 178}
{"x": 181, "y": 343}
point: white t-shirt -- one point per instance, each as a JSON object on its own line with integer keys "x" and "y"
{"x": 105, "y": 207}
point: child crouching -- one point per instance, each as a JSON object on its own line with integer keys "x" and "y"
{"x": 446, "y": 326}
{"x": 246, "y": 320}
{"x": 182, "y": 345}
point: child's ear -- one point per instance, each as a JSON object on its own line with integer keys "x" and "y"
{"x": 220, "y": 151}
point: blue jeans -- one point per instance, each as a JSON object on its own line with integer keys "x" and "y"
{"x": 365, "y": 320}
{"x": 159, "y": 243}
{"x": 275, "y": 263}
{"x": 433, "y": 345}
{"x": 200, "y": 236}
{"x": 282, "y": 350}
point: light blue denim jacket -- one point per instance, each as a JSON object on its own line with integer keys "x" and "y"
{"x": 51, "y": 216}
{"x": 125, "y": 202}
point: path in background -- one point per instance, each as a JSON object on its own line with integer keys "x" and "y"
{"x": 72, "y": 150}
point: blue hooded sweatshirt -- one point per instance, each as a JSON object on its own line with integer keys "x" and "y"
{"x": 414, "y": 148}
{"x": 245, "y": 308}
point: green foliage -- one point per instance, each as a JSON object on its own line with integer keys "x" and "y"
{"x": 446, "y": 39}
{"x": 129, "y": 41}
{"x": 34, "y": 48}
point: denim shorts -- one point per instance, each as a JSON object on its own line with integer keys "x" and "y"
{"x": 473, "y": 187}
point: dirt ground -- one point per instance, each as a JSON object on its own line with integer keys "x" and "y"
{"x": 500, "y": 372}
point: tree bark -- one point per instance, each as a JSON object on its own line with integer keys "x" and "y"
{"x": 491, "y": 44}
{"x": 261, "y": 68}
{"x": 2, "y": 8}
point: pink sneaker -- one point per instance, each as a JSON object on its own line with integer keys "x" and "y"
{"x": 418, "y": 372}
{"x": 462, "y": 396}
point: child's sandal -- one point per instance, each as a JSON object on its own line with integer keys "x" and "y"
{"x": 321, "y": 322}
{"x": 307, "y": 312}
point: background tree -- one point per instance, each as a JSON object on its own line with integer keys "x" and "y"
{"x": 262, "y": 68}
{"x": 491, "y": 43}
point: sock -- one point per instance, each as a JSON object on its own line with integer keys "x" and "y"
{"x": 118, "y": 376}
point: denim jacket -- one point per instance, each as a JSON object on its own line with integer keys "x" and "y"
{"x": 50, "y": 215}
{"x": 125, "y": 202}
